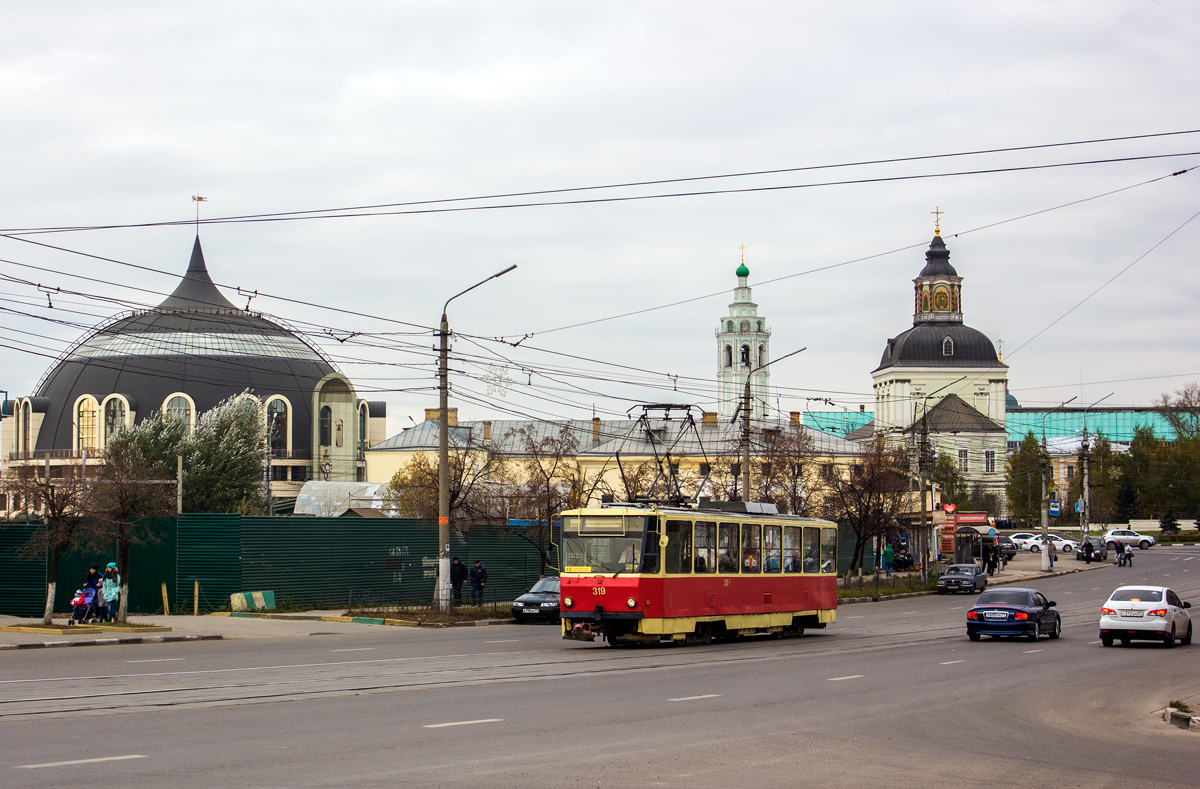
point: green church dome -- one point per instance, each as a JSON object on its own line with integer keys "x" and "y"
{"x": 742, "y": 271}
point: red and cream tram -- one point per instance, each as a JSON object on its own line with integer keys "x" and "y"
{"x": 642, "y": 574}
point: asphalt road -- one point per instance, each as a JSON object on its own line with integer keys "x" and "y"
{"x": 892, "y": 695}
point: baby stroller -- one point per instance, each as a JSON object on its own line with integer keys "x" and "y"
{"x": 85, "y": 605}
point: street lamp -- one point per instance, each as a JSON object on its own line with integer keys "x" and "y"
{"x": 1045, "y": 488}
{"x": 442, "y": 593}
{"x": 746, "y": 421}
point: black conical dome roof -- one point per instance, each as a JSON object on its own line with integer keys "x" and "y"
{"x": 196, "y": 289}
{"x": 937, "y": 260}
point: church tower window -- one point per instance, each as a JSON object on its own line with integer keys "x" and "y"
{"x": 762, "y": 355}
{"x": 947, "y": 347}
{"x": 745, "y": 356}
{"x": 745, "y": 325}
{"x": 729, "y": 356}
{"x": 326, "y": 428}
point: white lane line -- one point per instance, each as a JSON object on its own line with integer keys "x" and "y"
{"x": 1093, "y": 642}
{"x": 902, "y": 613}
{"x": 461, "y": 723}
{"x": 508, "y": 641}
{"x": 958, "y": 608}
{"x": 80, "y": 761}
{"x": 156, "y": 660}
{"x": 951, "y": 662}
{"x": 857, "y": 616}
{"x": 1031, "y": 651}
{"x": 353, "y": 649}
{"x": 1095, "y": 588}
{"x": 839, "y": 679}
{"x": 697, "y": 698}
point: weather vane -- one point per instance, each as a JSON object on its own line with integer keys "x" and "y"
{"x": 197, "y": 199}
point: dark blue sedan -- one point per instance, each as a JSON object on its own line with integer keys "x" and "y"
{"x": 1013, "y": 612}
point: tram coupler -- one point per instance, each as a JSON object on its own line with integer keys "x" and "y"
{"x": 584, "y": 631}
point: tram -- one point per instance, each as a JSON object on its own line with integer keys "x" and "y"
{"x": 647, "y": 573}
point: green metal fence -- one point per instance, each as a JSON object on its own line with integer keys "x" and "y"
{"x": 23, "y": 584}
{"x": 209, "y": 551}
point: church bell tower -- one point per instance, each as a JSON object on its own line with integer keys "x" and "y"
{"x": 743, "y": 346}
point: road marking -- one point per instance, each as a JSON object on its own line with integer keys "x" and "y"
{"x": 156, "y": 660}
{"x": 696, "y": 698}
{"x": 353, "y": 649}
{"x": 1093, "y": 642}
{"x": 1066, "y": 592}
{"x": 509, "y": 641}
{"x": 857, "y": 616}
{"x": 951, "y": 662}
{"x": 80, "y": 761}
{"x": 839, "y": 679}
{"x": 461, "y": 723}
{"x": 1031, "y": 651}
{"x": 902, "y": 613}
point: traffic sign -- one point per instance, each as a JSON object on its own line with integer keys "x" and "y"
{"x": 1079, "y": 506}
{"x": 1055, "y": 507}
{"x": 992, "y": 532}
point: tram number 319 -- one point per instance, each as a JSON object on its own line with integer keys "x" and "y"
{"x": 598, "y": 590}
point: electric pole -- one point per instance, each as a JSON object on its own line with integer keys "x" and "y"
{"x": 746, "y": 420}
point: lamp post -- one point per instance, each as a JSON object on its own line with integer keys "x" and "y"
{"x": 1087, "y": 457}
{"x": 1046, "y": 488}
{"x": 442, "y": 592}
{"x": 923, "y": 537}
{"x": 746, "y": 422}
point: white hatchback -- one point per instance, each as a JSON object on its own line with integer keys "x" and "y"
{"x": 1021, "y": 539}
{"x": 1060, "y": 544}
{"x": 1145, "y": 613}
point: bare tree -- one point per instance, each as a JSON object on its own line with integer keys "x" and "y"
{"x": 476, "y": 490}
{"x": 1183, "y": 411}
{"x": 788, "y": 473}
{"x": 57, "y": 505}
{"x": 870, "y": 496}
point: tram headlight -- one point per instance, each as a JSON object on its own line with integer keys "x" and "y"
{"x": 631, "y": 602}
{"x": 568, "y": 602}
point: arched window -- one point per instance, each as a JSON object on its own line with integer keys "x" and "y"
{"x": 338, "y": 434}
{"x": 180, "y": 408}
{"x": 85, "y": 424}
{"x": 947, "y": 347}
{"x": 745, "y": 356}
{"x": 114, "y": 417}
{"x": 26, "y": 427}
{"x": 745, "y": 325}
{"x": 759, "y": 326}
{"x": 728, "y": 356}
{"x": 729, "y": 326}
{"x": 277, "y": 427}
{"x": 326, "y": 426}
{"x": 362, "y": 426}
{"x": 762, "y": 355}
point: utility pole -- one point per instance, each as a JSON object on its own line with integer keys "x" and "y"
{"x": 442, "y": 591}
{"x": 1046, "y": 489}
{"x": 179, "y": 484}
{"x": 1087, "y": 462}
{"x": 746, "y": 420}
{"x": 922, "y": 463}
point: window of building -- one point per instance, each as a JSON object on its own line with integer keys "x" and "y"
{"x": 362, "y": 427}
{"x": 277, "y": 427}
{"x": 765, "y": 469}
{"x": 179, "y": 408}
{"x": 964, "y": 461}
{"x": 947, "y": 347}
{"x": 337, "y": 438}
{"x": 1070, "y": 472}
{"x": 760, "y": 325}
{"x": 85, "y": 425}
{"x": 728, "y": 325}
{"x": 826, "y": 471}
{"x": 3, "y": 501}
{"x": 989, "y": 462}
{"x": 705, "y": 469}
{"x": 674, "y": 468}
{"x": 745, "y": 356}
{"x": 26, "y": 427}
{"x": 762, "y": 355}
{"x": 299, "y": 473}
{"x": 729, "y": 356}
{"x": 326, "y": 426}
{"x": 279, "y": 473}
{"x": 745, "y": 325}
{"x": 114, "y": 417}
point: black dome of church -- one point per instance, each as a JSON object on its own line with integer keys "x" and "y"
{"x": 183, "y": 357}
{"x": 938, "y": 337}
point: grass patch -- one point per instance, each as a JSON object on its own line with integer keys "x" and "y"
{"x": 1180, "y": 705}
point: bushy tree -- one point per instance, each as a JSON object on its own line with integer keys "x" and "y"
{"x": 948, "y": 477}
{"x": 224, "y": 457}
{"x": 870, "y": 496}
{"x": 1024, "y": 480}
{"x": 477, "y": 489}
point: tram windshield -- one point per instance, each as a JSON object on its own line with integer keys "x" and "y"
{"x": 608, "y": 544}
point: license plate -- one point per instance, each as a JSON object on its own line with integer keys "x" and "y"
{"x": 1131, "y": 613}
{"x": 995, "y": 615}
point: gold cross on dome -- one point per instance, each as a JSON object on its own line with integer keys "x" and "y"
{"x": 937, "y": 219}
{"x": 743, "y": 248}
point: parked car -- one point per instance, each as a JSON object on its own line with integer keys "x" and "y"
{"x": 962, "y": 578}
{"x": 1145, "y": 613}
{"x": 1099, "y": 550}
{"x": 1013, "y": 612}
{"x": 541, "y": 601}
{"x": 1115, "y": 537}
{"x": 1007, "y": 547}
{"x": 1060, "y": 544}
{"x": 1021, "y": 539}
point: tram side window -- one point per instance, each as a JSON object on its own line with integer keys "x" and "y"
{"x": 678, "y": 557}
{"x": 706, "y": 547}
{"x": 650, "y": 559}
{"x": 791, "y": 549}
{"x": 751, "y": 548}
{"x": 772, "y": 549}
{"x": 828, "y": 550}
{"x": 727, "y": 548}
{"x": 812, "y": 549}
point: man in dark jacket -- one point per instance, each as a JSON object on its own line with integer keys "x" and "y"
{"x": 458, "y": 574}
{"x": 478, "y": 581}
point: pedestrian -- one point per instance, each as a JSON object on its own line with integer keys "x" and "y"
{"x": 1129, "y": 556}
{"x": 478, "y": 581}
{"x": 458, "y": 574}
{"x": 1053, "y": 551}
{"x": 889, "y": 557}
{"x": 110, "y": 592}
{"x": 1087, "y": 551}
{"x": 1120, "y": 555}
{"x": 1003, "y": 561}
{"x": 993, "y": 559}
{"x": 94, "y": 579}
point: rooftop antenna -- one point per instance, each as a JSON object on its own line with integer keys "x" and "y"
{"x": 197, "y": 199}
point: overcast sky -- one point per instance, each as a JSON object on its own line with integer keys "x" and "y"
{"x": 117, "y": 113}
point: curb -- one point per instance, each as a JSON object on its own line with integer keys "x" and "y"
{"x": 882, "y": 597}
{"x": 107, "y": 642}
{"x": 363, "y": 620}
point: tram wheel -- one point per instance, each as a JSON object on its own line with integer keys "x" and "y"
{"x": 706, "y": 634}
